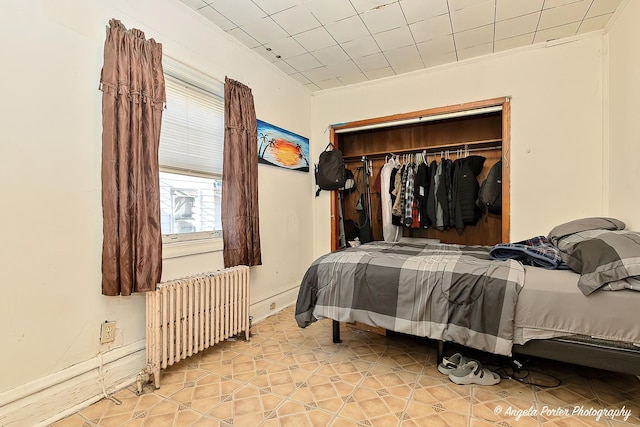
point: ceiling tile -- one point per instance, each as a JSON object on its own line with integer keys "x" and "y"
{"x": 347, "y": 29}
{"x": 550, "y": 4}
{"x": 363, "y": 6}
{"x": 214, "y": 16}
{"x": 304, "y": 62}
{"x": 436, "y": 46}
{"x": 347, "y": 41}
{"x": 602, "y": 7}
{"x": 556, "y": 32}
{"x": 296, "y": 20}
{"x": 431, "y": 28}
{"x": 239, "y": 12}
{"x": 404, "y": 59}
{"x": 384, "y": 19}
{"x": 380, "y": 73}
{"x": 517, "y": 26}
{"x": 344, "y": 68}
{"x": 274, "y": 6}
{"x": 475, "y": 37}
{"x": 418, "y": 10}
{"x": 286, "y": 47}
{"x": 472, "y": 52}
{"x": 350, "y": 79}
{"x": 563, "y": 14}
{"x": 361, "y": 47}
{"x": 318, "y": 74}
{"x": 507, "y": 9}
{"x": 244, "y": 38}
{"x": 371, "y": 62}
{"x": 513, "y": 42}
{"x": 440, "y": 59}
{"x": 455, "y": 5}
{"x": 594, "y": 24}
{"x": 474, "y": 16}
{"x": 194, "y": 4}
{"x": 285, "y": 67}
{"x": 269, "y": 56}
{"x": 330, "y": 55}
{"x": 300, "y": 78}
{"x": 328, "y": 11}
{"x": 265, "y": 30}
{"x": 315, "y": 39}
{"x": 328, "y": 84}
{"x": 393, "y": 39}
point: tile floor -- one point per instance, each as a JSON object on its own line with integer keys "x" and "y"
{"x": 287, "y": 376}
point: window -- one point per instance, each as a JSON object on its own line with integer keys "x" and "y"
{"x": 190, "y": 156}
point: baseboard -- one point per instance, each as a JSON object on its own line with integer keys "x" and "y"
{"x": 55, "y": 396}
{"x": 260, "y": 310}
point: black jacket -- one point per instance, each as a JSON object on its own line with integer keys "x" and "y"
{"x": 465, "y": 190}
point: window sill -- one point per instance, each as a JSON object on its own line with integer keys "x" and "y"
{"x": 191, "y": 247}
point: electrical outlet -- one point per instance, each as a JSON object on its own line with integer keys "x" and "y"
{"x": 272, "y": 306}
{"x": 107, "y": 332}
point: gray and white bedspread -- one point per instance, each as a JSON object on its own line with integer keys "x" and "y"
{"x": 444, "y": 292}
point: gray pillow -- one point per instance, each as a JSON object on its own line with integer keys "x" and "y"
{"x": 603, "y": 257}
{"x": 583, "y": 224}
{"x": 599, "y": 249}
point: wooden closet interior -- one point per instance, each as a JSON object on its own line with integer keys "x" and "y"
{"x": 475, "y": 128}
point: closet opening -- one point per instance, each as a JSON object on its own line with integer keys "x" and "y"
{"x": 442, "y": 135}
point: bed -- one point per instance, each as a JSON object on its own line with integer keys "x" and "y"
{"x": 460, "y": 294}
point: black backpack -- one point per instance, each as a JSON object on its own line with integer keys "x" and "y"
{"x": 330, "y": 170}
{"x": 490, "y": 194}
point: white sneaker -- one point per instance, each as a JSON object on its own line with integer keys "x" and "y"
{"x": 452, "y": 363}
{"x": 472, "y": 372}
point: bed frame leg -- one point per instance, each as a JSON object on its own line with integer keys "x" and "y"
{"x": 440, "y": 351}
{"x": 336, "y": 332}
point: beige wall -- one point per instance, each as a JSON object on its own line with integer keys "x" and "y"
{"x": 51, "y": 219}
{"x": 556, "y": 125}
{"x": 624, "y": 115}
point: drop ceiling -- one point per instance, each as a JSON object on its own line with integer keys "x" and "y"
{"x": 330, "y": 43}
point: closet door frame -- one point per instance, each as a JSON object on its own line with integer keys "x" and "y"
{"x": 433, "y": 114}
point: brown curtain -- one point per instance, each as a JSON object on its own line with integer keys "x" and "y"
{"x": 133, "y": 96}
{"x": 240, "y": 224}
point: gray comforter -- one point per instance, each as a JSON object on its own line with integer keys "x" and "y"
{"x": 444, "y": 292}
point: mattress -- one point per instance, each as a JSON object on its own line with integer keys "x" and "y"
{"x": 551, "y": 305}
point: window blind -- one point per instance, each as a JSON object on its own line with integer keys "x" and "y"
{"x": 192, "y": 133}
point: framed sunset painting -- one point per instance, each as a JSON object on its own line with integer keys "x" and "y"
{"x": 279, "y": 147}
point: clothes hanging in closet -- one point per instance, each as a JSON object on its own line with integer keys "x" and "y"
{"x": 408, "y": 198}
{"x": 440, "y": 194}
{"x": 422, "y": 189}
{"x": 431, "y": 195}
{"x": 390, "y": 232}
{"x": 401, "y": 183}
{"x": 465, "y": 190}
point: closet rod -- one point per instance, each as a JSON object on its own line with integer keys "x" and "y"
{"x": 431, "y": 151}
